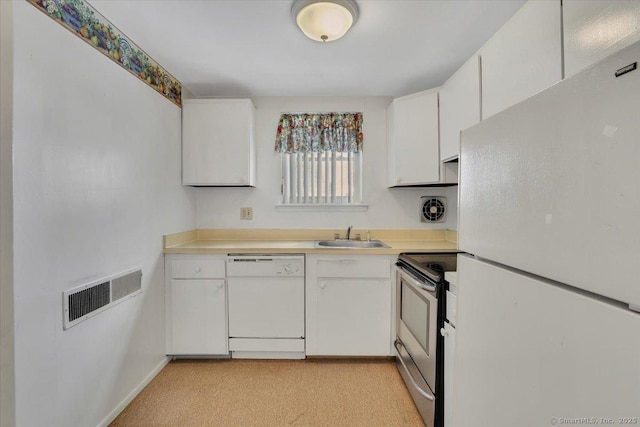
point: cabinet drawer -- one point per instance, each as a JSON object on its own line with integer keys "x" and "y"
{"x": 198, "y": 269}
{"x": 354, "y": 267}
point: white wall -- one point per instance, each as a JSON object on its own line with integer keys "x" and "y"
{"x": 96, "y": 183}
{"x": 388, "y": 208}
{"x": 7, "y": 390}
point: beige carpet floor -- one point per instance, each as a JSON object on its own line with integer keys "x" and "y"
{"x": 312, "y": 392}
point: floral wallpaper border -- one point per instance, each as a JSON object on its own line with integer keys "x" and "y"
{"x": 87, "y": 23}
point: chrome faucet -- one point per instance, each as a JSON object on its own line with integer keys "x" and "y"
{"x": 349, "y": 232}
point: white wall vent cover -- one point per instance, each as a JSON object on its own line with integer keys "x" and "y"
{"x": 433, "y": 209}
{"x": 85, "y": 301}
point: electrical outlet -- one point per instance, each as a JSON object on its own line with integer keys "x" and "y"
{"x": 246, "y": 213}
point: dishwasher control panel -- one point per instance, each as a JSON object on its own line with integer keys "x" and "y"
{"x": 248, "y": 265}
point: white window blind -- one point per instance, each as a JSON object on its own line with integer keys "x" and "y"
{"x": 324, "y": 177}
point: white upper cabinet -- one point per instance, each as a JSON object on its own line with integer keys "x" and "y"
{"x": 523, "y": 58}
{"x": 596, "y": 29}
{"x": 412, "y": 139}
{"x": 459, "y": 106}
{"x": 218, "y": 145}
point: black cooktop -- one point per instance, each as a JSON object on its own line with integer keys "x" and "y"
{"x": 432, "y": 265}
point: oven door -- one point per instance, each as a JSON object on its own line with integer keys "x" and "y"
{"x": 417, "y": 322}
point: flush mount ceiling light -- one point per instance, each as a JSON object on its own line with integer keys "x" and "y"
{"x": 324, "y": 20}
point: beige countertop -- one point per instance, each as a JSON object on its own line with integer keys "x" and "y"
{"x": 208, "y": 241}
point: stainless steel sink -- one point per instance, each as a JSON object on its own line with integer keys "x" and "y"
{"x": 349, "y": 244}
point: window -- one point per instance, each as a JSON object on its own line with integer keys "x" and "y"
{"x": 322, "y": 177}
{"x": 321, "y": 158}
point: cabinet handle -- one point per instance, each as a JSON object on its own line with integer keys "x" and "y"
{"x": 220, "y": 285}
{"x": 197, "y": 269}
{"x": 443, "y": 332}
{"x": 322, "y": 285}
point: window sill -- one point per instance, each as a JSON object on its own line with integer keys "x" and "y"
{"x": 327, "y": 207}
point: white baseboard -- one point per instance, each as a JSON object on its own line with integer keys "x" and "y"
{"x": 293, "y": 355}
{"x": 116, "y": 411}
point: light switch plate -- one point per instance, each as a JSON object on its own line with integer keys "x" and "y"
{"x": 246, "y": 213}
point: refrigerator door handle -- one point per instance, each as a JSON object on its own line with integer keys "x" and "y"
{"x": 426, "y": 394}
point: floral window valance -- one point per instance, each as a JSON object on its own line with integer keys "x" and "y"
{"x": 309, "y": 132}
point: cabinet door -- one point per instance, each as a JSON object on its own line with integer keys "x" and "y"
{"x": 413, "y": 140}
{"x": 218, "y": 142}
{"x": 198, "y": 316}
{"x": 523, "y": 58}
{"x": 459, "y": 107}
{"x": 595, "y": 29}
{"x": 353, "y": 317}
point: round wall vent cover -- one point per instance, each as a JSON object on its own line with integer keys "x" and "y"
{"x": 433, "y": 209}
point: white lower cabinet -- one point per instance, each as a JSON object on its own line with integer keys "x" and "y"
{"x": 198, "y": 318}
{"x": 348, "y": 316}
{"x": 196, "y": 304}
{"x": 353, "y": 317}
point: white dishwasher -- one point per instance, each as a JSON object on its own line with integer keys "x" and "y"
{"x": 266, "y": 306}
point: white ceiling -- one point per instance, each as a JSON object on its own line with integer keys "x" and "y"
{"x": 241, "y": 48}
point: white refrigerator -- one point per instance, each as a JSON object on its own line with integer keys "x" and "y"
{"x": 548, "y": 328}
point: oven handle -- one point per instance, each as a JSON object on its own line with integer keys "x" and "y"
{"x": 426, "y": 395}
{"x": 415, "y": 282}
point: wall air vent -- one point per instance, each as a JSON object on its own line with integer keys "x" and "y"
{"x": 85, "y": 301}
{"x": 88, "y": 300}
{"x": 433, "y": 209}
